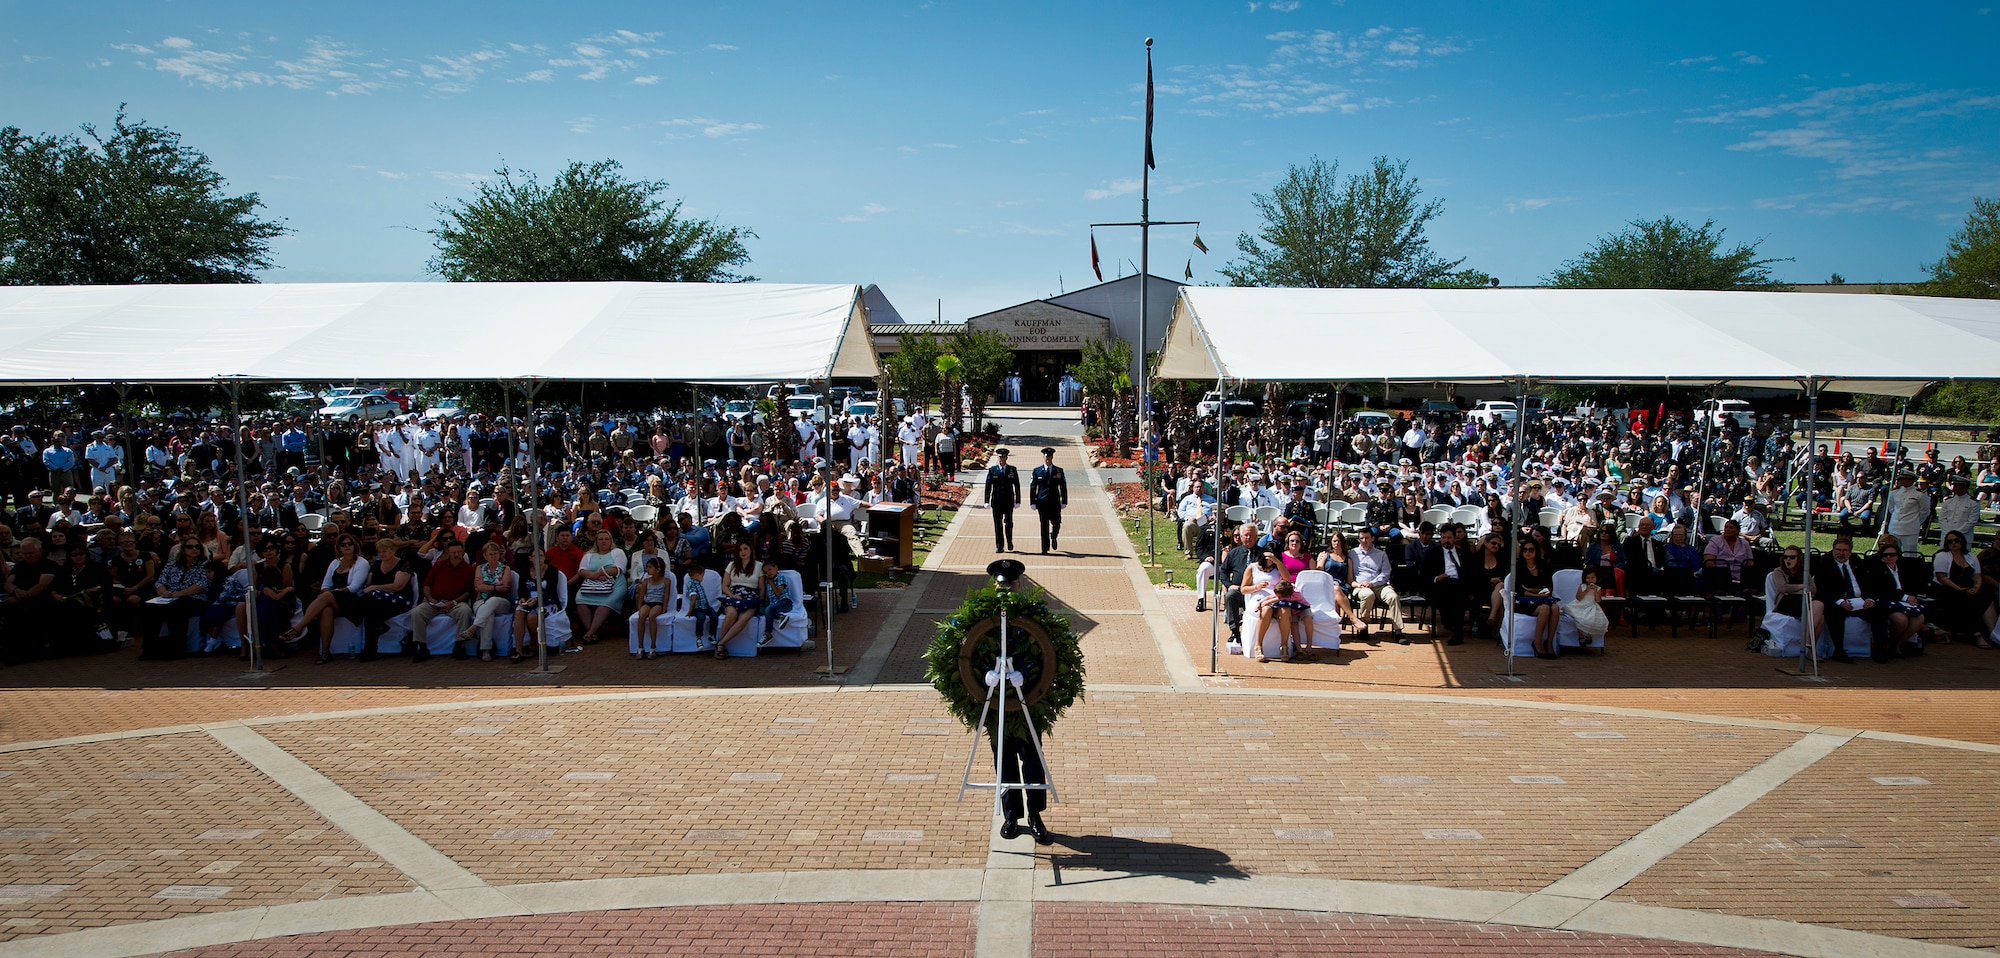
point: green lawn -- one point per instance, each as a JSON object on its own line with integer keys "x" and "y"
{"x": 1166, "y": 545}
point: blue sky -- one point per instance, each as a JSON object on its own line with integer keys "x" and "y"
{"x": 957, "y": 151}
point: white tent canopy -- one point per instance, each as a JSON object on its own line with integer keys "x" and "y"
{"x": 724, "y": 332}
{"x": 1850, "y": 342}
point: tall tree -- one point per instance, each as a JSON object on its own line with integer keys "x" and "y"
{"x": 1667, "y": 254}
{"x": 1319, "y": 231}
{"x": 137, "y": 206}
{"x": 1971, "y": 263}
{"x": 1104, "y": 374}
{"x": 912, "y": 368}
{"x": 589, "y": 224}
{"x": 983, "y": 357}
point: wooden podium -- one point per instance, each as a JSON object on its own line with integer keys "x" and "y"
{"x": 892, "y": 532}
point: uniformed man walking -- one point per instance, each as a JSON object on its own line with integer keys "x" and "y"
{"x": 1003, "y": 493}
{"x": 1048, "y": 492}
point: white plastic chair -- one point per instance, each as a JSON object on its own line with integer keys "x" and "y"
{"x": 1267, "y": 514}
{"x": 1437, "y": 515}
{"x": 1632, "y": 522}
{"x": 1354, "y": 516}
{"x": 644, "y": 512}
{"x": 1467, "y": 516}
{"x": 1237, "y": 514}
{"x": 312, "y": 521}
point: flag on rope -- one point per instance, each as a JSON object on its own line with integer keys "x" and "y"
{"x": 1188, "y": 271}
{"x": 1095, "y": 266}
{"x": 1198, "y": 244}
{"x": 1149, "y": 109}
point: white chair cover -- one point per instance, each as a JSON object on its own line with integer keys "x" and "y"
{"x": 1564, "y": 585}
{"x": 680, "y": 630}
{"x": 1316, "y": 587}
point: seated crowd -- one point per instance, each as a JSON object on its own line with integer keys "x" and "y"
{"x": 1420, "y": 509}
{"x": 413, "y": 521}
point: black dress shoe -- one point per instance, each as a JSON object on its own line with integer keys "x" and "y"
{"x": 1455, "y": 640}
{"x": 1201, "y": 605}
{"x": 1041, "y": 832}
{"x": 1010, "y": 829}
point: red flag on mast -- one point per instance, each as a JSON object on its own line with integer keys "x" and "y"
{"x": 1094, "y": 265}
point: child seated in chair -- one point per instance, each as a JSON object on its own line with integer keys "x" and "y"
{"x": 655, "y": 591}
{"x": 778, "y": 611}
{"x": 698, "y": 607}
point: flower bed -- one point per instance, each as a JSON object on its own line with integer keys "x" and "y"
{"x": 1127, "y": 496}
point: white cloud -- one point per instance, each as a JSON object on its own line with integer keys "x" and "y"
{"x": 1119, "y": 187}
{"x": 461, "y": 179}
{"x": 1284, "y": 6}
{"x": 458, "y": 74}
{"x": 1312, "y": 71}
{"x": 593, "y": 55}
{"x": 386, "y": 174}
{"x": 177, "y": 43}
{"x": 1536, "y": 203}
{"x": 1874, "y": 142}
{"x": 713, "y": 129}
{"x": 647, "y": 80}
{"x": 583, "y": 124}
{"x": 723, "y": 46}
{"x": 535, "y": 76}
{"x": 867, "y": 212}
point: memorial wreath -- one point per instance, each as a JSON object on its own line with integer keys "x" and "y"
{"x": 1045, "y": 650}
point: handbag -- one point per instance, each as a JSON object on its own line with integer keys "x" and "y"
{"x": 597, "y": 587}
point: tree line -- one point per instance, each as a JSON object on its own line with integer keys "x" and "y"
{"x": 136, "y": 204}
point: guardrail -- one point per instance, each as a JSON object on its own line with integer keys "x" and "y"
{"x": 1878, "y": 430}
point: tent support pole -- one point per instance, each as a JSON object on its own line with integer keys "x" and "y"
{"x": 826, "y": 529}
{"x": 1707, "y": 443}
{"x": 1905, "y": 424}
{"x": 536, "y": 533}
{"x": 251, "y": 634}
{"x": 1806, "y": 598}
{"x": 1333, "y": 456}
{"x": 1216, "y": 550}
{"x": 1516, "y": 513}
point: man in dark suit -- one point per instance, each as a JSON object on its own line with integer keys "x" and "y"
{"x": 1003, "y": 493}
{"x": 1441, "y": 575}
{"x": 1645, "y": 561}
{"x": 1841, "y": 586}
{"x": 1048, "y": 492}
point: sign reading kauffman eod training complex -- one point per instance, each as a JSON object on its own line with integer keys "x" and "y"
{"x": 1043, "y": 326}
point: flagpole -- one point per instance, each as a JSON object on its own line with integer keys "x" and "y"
{"x": 1142, "y": 382}
{"x": 1145, "y": 274}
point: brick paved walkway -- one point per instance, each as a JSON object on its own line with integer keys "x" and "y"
{"x": 890, "y": 929}
{"x": 1681, "y": 786}
{"x": 1147, "y": 931}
